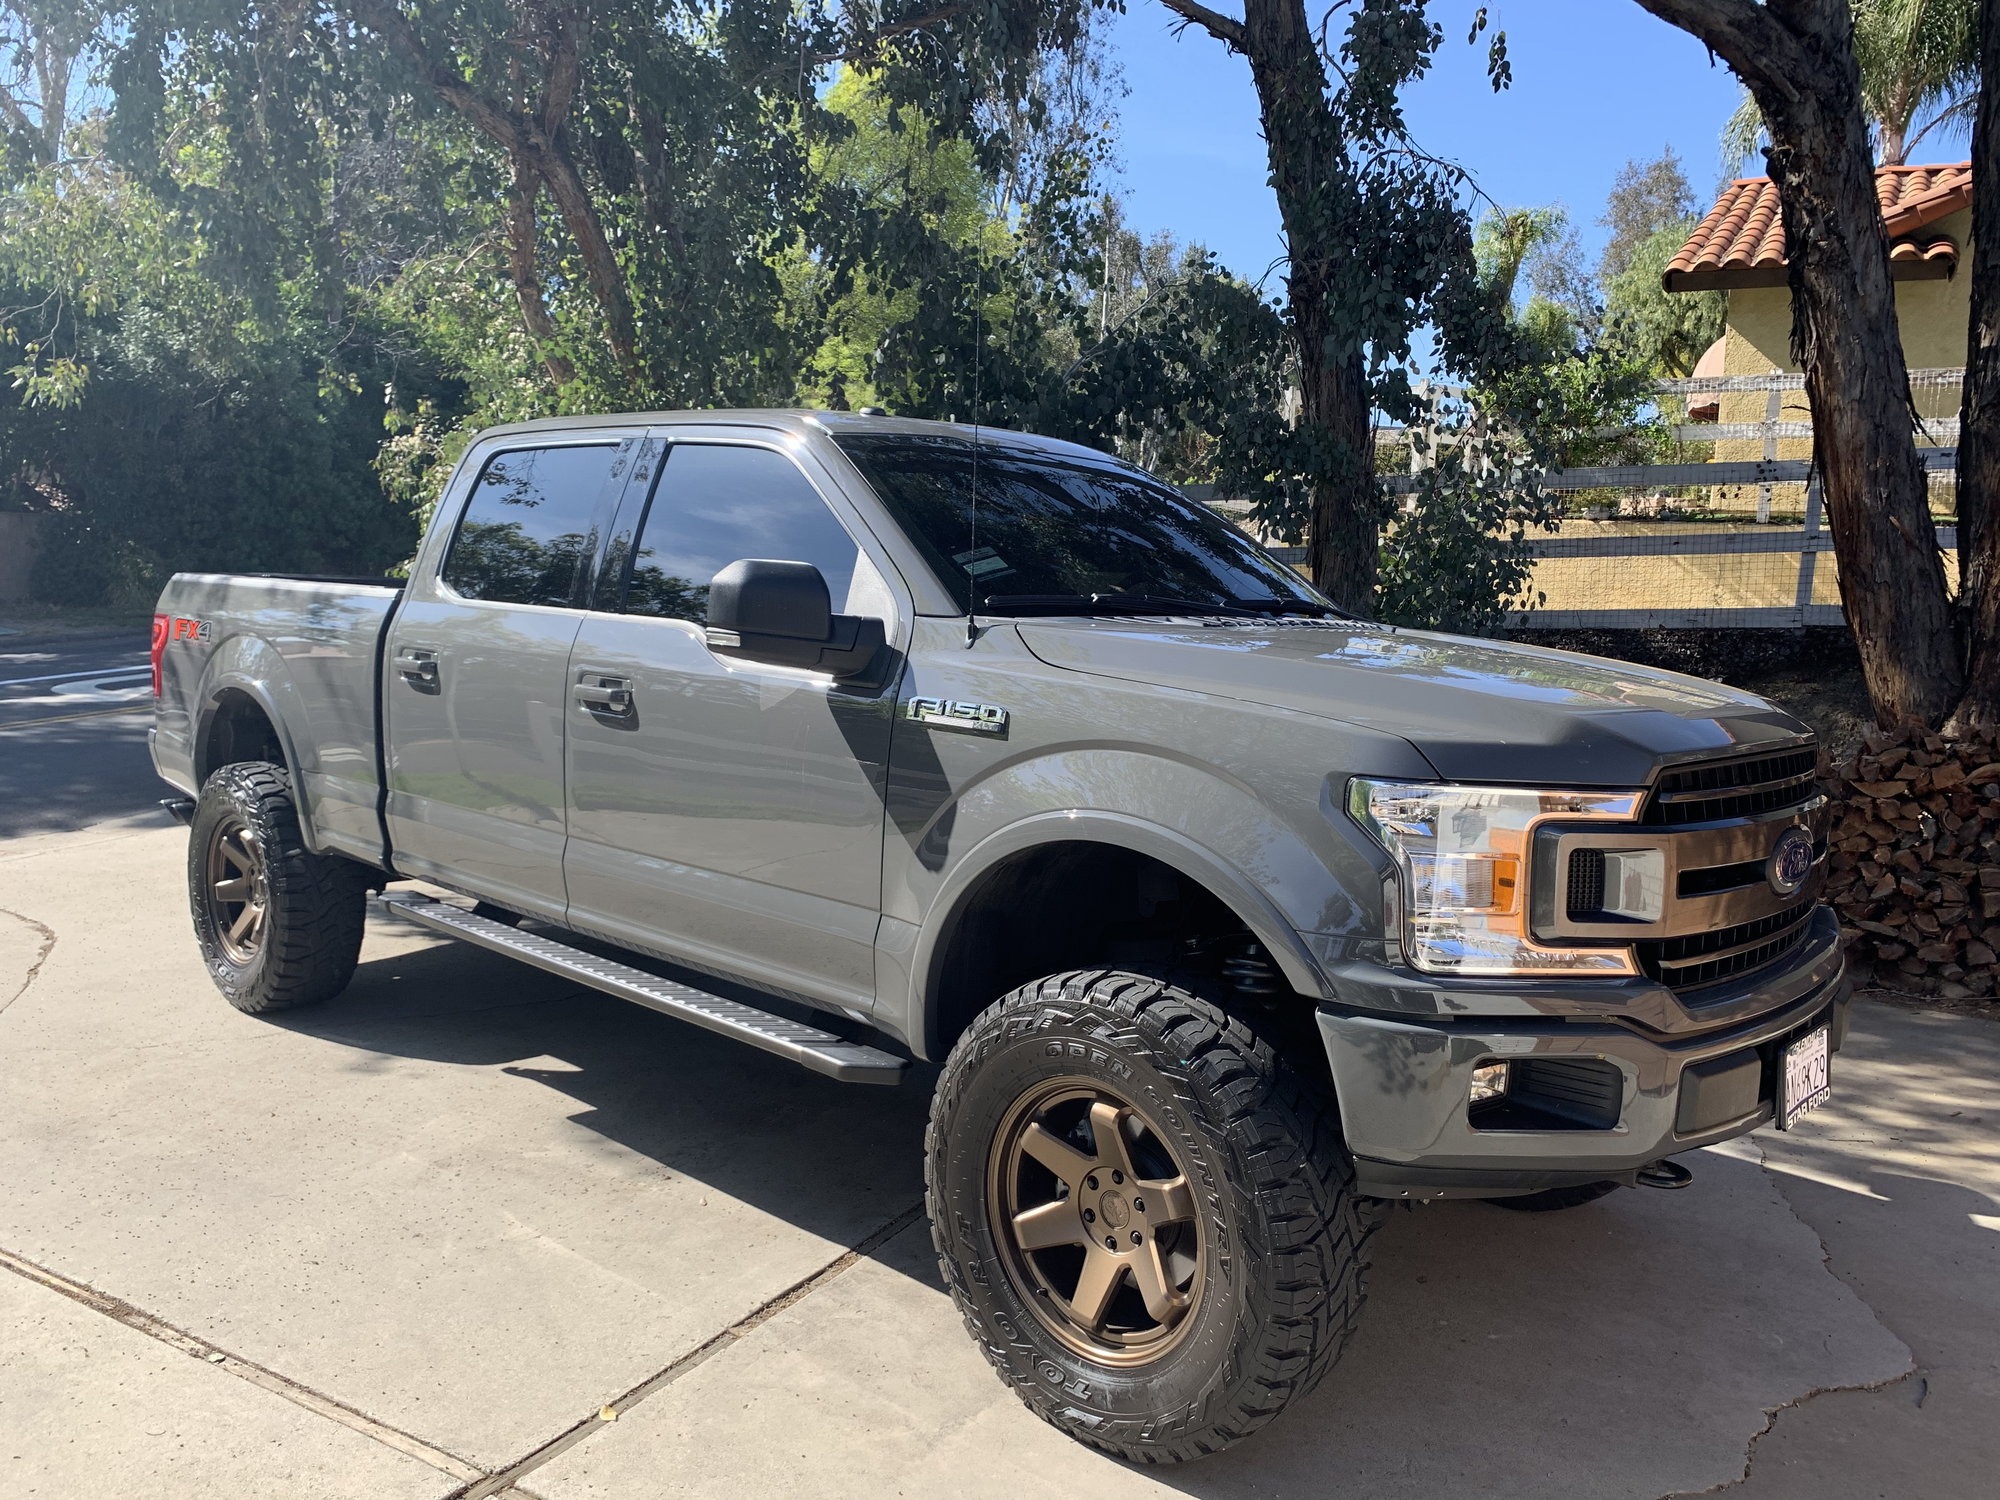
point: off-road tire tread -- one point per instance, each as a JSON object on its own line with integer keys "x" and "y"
{"x": 1289, "y": 1135}
{"x": 319, "y": 902}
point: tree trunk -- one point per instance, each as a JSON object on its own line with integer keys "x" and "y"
{"x": 1979, "y": 416}
{"x": 521, "y": 241}
{"x": 1797, "y": 59}
{"x": 1343, "y": 541}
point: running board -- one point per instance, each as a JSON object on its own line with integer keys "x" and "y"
{"x": 822, "y": 1051}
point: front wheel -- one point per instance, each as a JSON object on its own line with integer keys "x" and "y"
{"x": 278, "y": 925}
{"x": 1146, "y": 1217}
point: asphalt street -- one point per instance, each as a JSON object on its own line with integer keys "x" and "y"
{"x": 468, "y": 1230}
{"x": 73, "y": 717}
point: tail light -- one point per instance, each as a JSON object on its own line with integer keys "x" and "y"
{"x": 161, "y": 624}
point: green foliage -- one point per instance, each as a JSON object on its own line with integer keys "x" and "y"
{"x": 1919, "y": 61}
{"x": 1456, "y": 552}
{"x": 1666, "y": 332}
{"x": 165, "y": 421}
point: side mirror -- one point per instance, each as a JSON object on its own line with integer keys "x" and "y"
{"x": 780, "y": 613}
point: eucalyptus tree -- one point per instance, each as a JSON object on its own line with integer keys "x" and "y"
{"x": 1378, "y": 243}
{"x": 1797, "y": 59}
{"x": 642, "y": 163}
{"x": 47, "y": 52}
{"x": 1919, "y": 72}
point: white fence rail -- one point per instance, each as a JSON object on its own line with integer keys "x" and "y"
{"x": 1762, "y": 593}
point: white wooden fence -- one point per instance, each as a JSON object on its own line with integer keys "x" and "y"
{"x": 1797, "y": 599}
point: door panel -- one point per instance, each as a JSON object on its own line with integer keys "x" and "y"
{"x": 728, "y": 813}
{"x": 475, "y": 676}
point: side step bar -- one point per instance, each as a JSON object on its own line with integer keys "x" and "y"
{"x": 822, "y": 1051}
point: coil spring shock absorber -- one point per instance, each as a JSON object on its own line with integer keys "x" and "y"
{"x": 1251, "y": 974}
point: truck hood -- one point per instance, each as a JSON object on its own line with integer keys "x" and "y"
{"x": 1478, "y": 710}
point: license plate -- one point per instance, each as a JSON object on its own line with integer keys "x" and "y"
{"x": 1803, "y": 1084}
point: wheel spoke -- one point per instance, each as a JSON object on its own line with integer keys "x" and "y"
{"x": 1167, "y": 1202}
{"x": 246, "y": 923}
{"x": 1051, "y": 1224}
{"x": 236, "y": 889}
{"x": 1164, "y": 1301}
{"x": 1102, "y": 1271}
{"x": 1107, "y": 1122}
{"x": 1057, "y": 1154}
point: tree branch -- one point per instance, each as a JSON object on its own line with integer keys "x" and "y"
{"x": 387, "y": 20}
{"x": 1760, "y": 48}
{"x": 862, "y": 46}
{"x": 1223, "y": 28}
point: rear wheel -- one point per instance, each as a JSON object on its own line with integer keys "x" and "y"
{"x": 278, "y": 925}
{"x": 1147, "y": 1218}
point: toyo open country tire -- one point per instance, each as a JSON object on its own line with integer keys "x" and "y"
{"x": 278, "y": 925}
{"x": 1105, "y": 1109}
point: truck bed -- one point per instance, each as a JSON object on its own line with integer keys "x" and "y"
{"x": 304, "y": 651}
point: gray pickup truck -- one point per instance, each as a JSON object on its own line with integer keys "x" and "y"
{"x": 1226, "y": 917}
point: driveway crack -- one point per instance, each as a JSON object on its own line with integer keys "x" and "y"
{"x": 1772, "y": 1413}
{"x": 48, "y": 936}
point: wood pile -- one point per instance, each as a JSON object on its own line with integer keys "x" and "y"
{"x": 1914, "y": 869}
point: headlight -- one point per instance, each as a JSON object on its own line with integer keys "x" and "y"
{"x": 1463, "y": 867}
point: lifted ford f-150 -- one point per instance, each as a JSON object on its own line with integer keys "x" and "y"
{"x": 863, "y": 740}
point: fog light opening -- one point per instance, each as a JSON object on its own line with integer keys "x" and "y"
{"x": 1489, "y": 1081}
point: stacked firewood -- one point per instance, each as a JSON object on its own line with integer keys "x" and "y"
{"x": 1914, "y": 869}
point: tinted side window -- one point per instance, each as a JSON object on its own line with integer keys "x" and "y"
{"x": 715, "y": 505}
{"x": 523, "y": 535}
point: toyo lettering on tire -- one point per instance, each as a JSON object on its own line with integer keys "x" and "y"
{"x": 1147, "y": 1218}
{"x": 278, "y": 925}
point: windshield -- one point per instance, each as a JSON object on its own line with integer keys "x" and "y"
{"x": 1054, "y": 530}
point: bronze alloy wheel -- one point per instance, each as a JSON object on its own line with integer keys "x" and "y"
{"x": 1096, "y": 1222}
{"x": 236, "y": 886}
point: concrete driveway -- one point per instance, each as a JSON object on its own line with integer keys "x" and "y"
{"x": 467, "y": 1230}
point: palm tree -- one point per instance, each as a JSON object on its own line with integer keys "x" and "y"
{"x": 1919, "y": 61}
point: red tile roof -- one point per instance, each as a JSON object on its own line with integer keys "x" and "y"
{"x": 1742, "y": 240}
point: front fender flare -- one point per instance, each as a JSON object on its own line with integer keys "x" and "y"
{"x": 1170, "y": 847}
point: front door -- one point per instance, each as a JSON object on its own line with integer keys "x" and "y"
{"x": 723, "y": 812}
{"x": 475, "y": 671}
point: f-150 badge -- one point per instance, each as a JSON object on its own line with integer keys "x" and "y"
{"x": 949, "y": 713}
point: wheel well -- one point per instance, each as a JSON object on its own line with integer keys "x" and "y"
{"x": 1078, "y": 905}
{"x": 237, "y": 730}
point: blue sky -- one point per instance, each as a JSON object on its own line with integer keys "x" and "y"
{"x": 1596, "y": 83}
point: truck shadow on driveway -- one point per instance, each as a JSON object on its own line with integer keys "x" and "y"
{"x": 834, "y": 1159}
{"x": 1627, "y": 1348}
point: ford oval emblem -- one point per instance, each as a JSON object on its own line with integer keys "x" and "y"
{"x": 1791, "y": 861}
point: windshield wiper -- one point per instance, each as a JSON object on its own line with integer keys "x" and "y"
{"x": 1109, "y": 604}
{"x": 1275, "y": 606}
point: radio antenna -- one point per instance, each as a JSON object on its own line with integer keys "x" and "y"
{"x": 978, "y": 386}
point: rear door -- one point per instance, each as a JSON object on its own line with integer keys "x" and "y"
{"x": 475, "y": 670}
{"x": 725, "y": 812}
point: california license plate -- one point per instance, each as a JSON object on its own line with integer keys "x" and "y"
{"x": 1803, "y": 1081}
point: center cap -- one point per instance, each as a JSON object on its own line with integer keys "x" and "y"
{"x": 1114, "y": 1210}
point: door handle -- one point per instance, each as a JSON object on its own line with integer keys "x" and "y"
{"x": 605, "y": 695}
{"x": 416, "y": 662}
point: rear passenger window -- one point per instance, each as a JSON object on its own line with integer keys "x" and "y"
{"x": 715, "y": 505}
{"x": 527, "y": 525}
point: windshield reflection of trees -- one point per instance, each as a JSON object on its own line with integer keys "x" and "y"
{"x": 1063, "y": 528}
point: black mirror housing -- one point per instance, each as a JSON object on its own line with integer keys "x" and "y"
{"x": 762, "y": 609}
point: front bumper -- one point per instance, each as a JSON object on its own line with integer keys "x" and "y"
{"x": 1404, "y": 1086}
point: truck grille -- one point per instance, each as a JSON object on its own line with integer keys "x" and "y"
{"x": 1733, "y": 788}
{"x": 1705, "y": 957}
